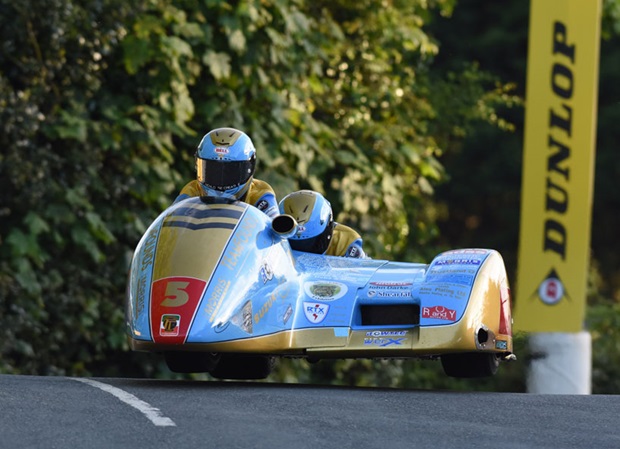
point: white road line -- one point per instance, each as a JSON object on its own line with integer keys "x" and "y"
{"x": 152, "y": 413}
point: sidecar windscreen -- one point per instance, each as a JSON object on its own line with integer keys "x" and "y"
{"x": 224, "y": 175}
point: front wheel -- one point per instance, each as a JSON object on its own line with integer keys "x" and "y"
{"x": 470, "y": 364}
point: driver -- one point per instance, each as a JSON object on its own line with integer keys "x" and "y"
{"x": 225, "y": 164}
{"x": 317, "y": 231}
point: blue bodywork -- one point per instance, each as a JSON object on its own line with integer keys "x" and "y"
{"x": 250, "y": 283}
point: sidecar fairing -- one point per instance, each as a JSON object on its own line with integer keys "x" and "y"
{"x": 215, "y": 288}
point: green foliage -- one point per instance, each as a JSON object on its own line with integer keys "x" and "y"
{"x": 604, "y": 325}
{"x": 64, "y": 173}
{"x": 611, "y": 19}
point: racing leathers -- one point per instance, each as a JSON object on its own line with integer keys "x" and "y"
{"x": 345, "y": 242}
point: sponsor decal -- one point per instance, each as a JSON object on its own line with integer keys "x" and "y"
{"x": 447, "y": 291}
{"x": 437, "y": 275}
{"x": 386, "y": 333}
{"x": 388, "y": 294}
{"x": 551, "y": 289}
{"x": 148, "y": 252}
{"x": 240, "y": 243}
{"x": 455, "y": 269}
{"x": 315, "y": 312}
{"x": 443, "y": 291}
{"x": 243, "y": 319}
{"x": 460, "y": 261}
{"x": 467, "y": 251}
{"x": 169, "y": 325}
{"x": 383, "y": 342}
{"x": 262, "y": 205}
{"x": 287, "y": 313}
{"x": 560, "y": 146}
{"x": 141, "y": 294}
{"x": 353, "y": 251}
{"x": 221, "y": 151}
{"x": 325, "y": 291}
{"x": 501, "y": 344}
{"x": 439, "y": 313}
{"x": 395, "y": 285}
{"x": 216, "y": 298}
{"x": 279, "y": 293}
{"x": 266, "y": 272}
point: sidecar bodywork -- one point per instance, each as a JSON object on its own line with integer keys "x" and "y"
{"x": 215, "y": 287}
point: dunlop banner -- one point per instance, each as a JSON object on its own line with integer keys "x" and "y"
{"x": 558, "y": 165}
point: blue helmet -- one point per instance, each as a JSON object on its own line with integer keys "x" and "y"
{"x": 225, "y": 163}
{"x": 314, "y": 218}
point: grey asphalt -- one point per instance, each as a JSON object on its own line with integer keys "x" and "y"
{"x": 60, "y": 412}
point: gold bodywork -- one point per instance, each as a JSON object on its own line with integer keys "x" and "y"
{"x": 181, "y": 253}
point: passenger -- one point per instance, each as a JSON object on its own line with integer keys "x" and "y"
{"x": 317, "y": 232}
{"x": 225, "y": 165}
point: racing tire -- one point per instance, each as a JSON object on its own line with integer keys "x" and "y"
{"x": 190, "y": 362}
{"x": 243, "y": 367}
{"x": 470, "y": 364}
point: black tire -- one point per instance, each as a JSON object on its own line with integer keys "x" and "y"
{"x": 470, "y": 364}
{"x": 190, "y": 362}
{"x": 243, "y": 367}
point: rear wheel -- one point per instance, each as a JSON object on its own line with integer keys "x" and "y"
{"x": 470, "y": 364}
{"x": 243, "y": 367}
{"x": 191, "y": 362}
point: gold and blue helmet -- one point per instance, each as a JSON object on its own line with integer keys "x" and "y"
{"x": 314, "y": 218}
{"x": 225, "y": 163}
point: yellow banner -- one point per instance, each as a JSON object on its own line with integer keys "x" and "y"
{"x": 558, "y": 165}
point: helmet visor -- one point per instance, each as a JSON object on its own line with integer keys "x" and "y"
{"x": 224, "y": 175}
{"x": 316, "y": 245}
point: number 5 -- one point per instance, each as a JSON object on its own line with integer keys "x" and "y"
{"x": 176, "y": 295}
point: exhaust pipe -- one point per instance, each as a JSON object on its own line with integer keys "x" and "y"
{"x": 284, "y": 226}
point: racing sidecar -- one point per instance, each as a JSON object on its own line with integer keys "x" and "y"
{"x": 215, "y": 287}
